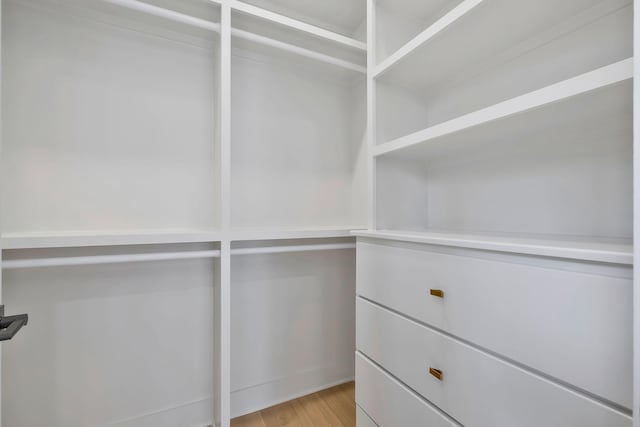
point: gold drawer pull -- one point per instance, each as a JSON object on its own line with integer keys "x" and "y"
{"x": 437, "y": 293}
{"x": 436, "y": 373}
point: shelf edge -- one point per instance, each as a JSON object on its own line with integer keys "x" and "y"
{"x": 27, "y": 241}
{"x": 298, "y": 25}
{"x": 581, "y": 84}
{"x": 425, "y": 36}
{"x": 523, "y": 248}
{"x": 256, "y": 235}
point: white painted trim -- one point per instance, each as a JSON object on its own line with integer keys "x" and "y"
{"x": 106, "y": 259}
{"x": 371, "y": 114}
{"x": 425, "y": 36}
{"x": 246, "y": 35}
{"x": 78, "y": 239}
{"x": 636, "y": 215}
{"x": 292, "y": 248}
{"x": 1, "y": 243}
{"x": 284, "y": 233}
{"x": 579, "y": 250}
{"x": 298, "y": 25}
{"x": 156, "y": 417}
{"x": 166, "y": 13}
{"x": 105, "y": 238}
{"x": 307, "y": 53}
{"x": 584, "y": 83}
{"x": 223, "y": 304}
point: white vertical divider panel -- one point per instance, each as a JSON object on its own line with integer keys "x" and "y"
{"x": 224, "y": 299}
{"x": 0, "y": 202}
{"x": 371, "y": 113}
{"x": 636, "y": 213}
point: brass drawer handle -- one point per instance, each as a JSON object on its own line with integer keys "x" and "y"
{"x": 437, "y": 293}
{"x": 436, "y": 373}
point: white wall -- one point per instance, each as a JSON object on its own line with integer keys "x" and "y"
{"x": 121, "y": 345}
{"x": 106, "y": 126}
{"x": 292, "y": 147}
{"x": 292, "y": 325}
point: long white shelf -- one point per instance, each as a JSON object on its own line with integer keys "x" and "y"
{"x": 105, "y": 238}
{"x": 290, "y": 233}
{"x": 297, "y": 25}
{"x": 160, "y": 12}
{"x": 163, "y": 236}
{"x": 573, "y": 87}
{"x": 297, "y": 50}
{"x": 292, "y": 249}
{"x": 486, "y": 28}
{"x": 146, "y": 8}
{"x": 107, "y": 259}
{"x": 597, "y": 251}
{"x": 436, "y": 28}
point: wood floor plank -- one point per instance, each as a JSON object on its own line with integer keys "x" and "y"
{"x": 251, "y": 420}
{"x": 319, "y": 411}
{"x": 334, "y": 407}
{"x": 280, "y": 415}
{"x": 307, "y": 416}
{"x": 350, "y": 389}
{"x": 341, "y": 405}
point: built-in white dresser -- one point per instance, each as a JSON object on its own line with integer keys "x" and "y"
{"x": 495, "y": 279}
{"x": 449, "y": 336}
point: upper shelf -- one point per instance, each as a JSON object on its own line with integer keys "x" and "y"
{"x": 484, "y": 30}
{"x": 289, "y": 233}
{"x": 250, "y": 23}
{"x": 555, "y": 102}
{"x": 340, "y": 20}
{"x": 272, "y": 35}
{"x": 600, "y": 251}
{"x": 297, "y": 25}
{"x": 399, "y": 21}
{"x": 105, "y": 238}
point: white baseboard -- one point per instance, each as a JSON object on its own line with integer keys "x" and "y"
{"x": 265, "y": 395}
{"x": 191, "y": 414}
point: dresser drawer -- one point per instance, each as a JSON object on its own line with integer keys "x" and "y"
{"x": 574, "y": 326}
{"x": 390, "y": 403}
{"x": 362, "y": 419}
{"x": 476, "y": 389}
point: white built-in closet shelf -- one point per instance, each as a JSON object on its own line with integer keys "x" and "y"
{"x": 608, "y": 251}
{"x": 476, "y": 28}
{"x": 291, "y": 233}
{"x": 594, "y": 93}
{"x": 299, "y": 25}
{"x": 29, "y": 240}
{"x": 290, "y": 31}
{"x": 281, "y": 19}
{"x": 33, "y": 240}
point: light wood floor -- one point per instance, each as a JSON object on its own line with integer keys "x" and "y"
{"x": 334, "y": 407}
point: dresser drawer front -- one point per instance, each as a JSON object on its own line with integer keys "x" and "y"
{"x": 390, "y": 403}
{"x": 476, "y": 389}
{"x": 571, "y": 325}
{"x": 362, "y": 419}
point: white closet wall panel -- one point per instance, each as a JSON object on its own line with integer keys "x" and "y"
{"x": 292, "y": 325}
{"x": 297, "y": 143}
{"x": 111, "y": 122}
{"x": 124, "y": 345}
